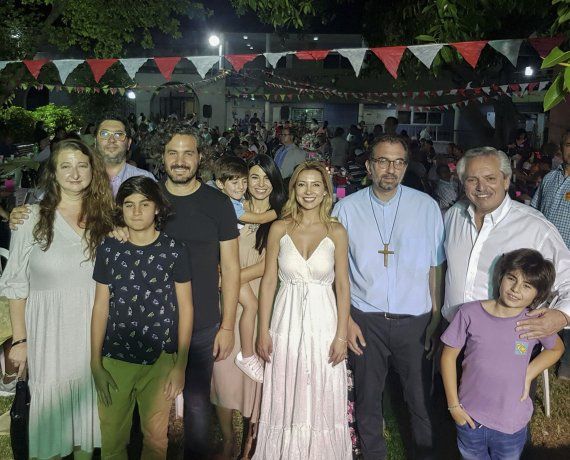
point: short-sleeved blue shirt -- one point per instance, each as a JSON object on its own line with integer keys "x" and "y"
{"x": 143, "y": 310}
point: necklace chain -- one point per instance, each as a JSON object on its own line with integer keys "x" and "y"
{"x": 376, "y": 220}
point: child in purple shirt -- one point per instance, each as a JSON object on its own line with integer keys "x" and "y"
{"x": 492, "y": 409}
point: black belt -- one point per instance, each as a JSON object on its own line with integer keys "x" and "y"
{"x": 387, "y": 315}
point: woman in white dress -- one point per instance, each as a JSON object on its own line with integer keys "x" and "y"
{"x": 48, "y": 280}
{"x": 303, "y": 407}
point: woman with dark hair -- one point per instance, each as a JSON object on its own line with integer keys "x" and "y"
{"x": 48, "y": 280}
{"x": 231, "y": 388}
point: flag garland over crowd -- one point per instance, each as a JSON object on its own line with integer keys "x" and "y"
{"x": 390, "y": 56}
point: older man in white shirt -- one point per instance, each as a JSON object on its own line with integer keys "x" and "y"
{"x": 478, "y": 232}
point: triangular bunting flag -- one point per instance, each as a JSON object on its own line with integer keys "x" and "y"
{"x": 35, "y": 66}
{"x": 544, "y": 45}
{"x": 453, "y": 92}
{"x": 486, "y": 89}
{"x": 166, "y": 65}
{"x": 470, "y": 51}
{"x": 314, "y": 55}
{"x": 523, "y": 87}
{"x": 132, "y": 66}
{"x": 66, "y": 66}
{"x": 439, "y": 92}
{"x": 239, "y": 60}
{"x": 282, "y": 96}
{"x": 504, "y": 88}
{"x": 542, "y": 85}
{"x": 532, "y": 86}
{"x": 273, "y": 58}
{"x": 390, "y": 57}
{"x": 121, "y": 91}
{"x": 508, "y": 48}
{"x": 203, "y": 63}
{"x": 426, "y": 53}
{"x": 3, "y": 64}
{"x": 355, "y": 56}
{"x": 100, "y": 66}
{"x": 50, "y": 87}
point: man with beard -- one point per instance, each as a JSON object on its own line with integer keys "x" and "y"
{"x": 112, "y": 142}
{"x": 204, "y": 220}
{"x": 395, "y": 257}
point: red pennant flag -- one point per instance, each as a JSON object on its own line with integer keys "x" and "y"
{"x": 531, "y": 86}
{"x": 391, "y": 57}
{"x": 514, "y": 87}
{"x": 470, "y": 50}
{"x": 100, "y": 66}
{"x": 312, "y": 55}
{"x": 239, "y": 60}
{"x": 166, "y": 65}
{"x": 35, "y": 66}
{"x": 544, "y": 45}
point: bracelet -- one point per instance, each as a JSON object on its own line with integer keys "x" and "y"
{"x": 226, "y": 329}
{"x": 18, "y": 342}
{"x": 342, "y": 340}
{"x": 450, "y": 408}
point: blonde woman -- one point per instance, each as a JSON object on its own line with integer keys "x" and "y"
{"x": 303, "y": 408}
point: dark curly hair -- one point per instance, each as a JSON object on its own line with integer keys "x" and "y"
{"x": 148, "y": 188}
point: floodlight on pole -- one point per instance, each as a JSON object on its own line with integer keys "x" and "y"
{"x": 131, "y": 94}
{"x": 214, "y": 41}
{"x": 528, "y": 71}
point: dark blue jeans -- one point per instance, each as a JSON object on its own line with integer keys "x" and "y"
{"x": 483, "y": 443}
{"x": 197, "y": 406}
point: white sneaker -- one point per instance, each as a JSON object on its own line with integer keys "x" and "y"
{"x": 252, "y": 367}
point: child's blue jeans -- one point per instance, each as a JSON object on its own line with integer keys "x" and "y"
{"x": 483, "y": 443}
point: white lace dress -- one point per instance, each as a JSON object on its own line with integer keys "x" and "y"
{"x": 304, "y": 402}
{"x": 59, "y": 289}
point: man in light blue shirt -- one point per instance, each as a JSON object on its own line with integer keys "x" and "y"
{"x": 396, "y": 251}
{"x": 112, "y": 141}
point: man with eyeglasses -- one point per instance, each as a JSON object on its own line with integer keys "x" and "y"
{"x": 288, "y": 156}
{"x": 113, "y": 141}
{"x": 395, "y": 259}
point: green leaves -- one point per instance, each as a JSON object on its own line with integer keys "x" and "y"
{"x": 555, "y": 93}
{"x": 556, "y": 56}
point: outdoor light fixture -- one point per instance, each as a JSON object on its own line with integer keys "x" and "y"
{"x": 245, "y": 37}
{"x": 315, "y": 38}
{"x": 131, "y": 94}
{"x": 528, "y": 71}
{"x": 214, "y": 40}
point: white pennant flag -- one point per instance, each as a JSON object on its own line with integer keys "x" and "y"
{"x": 504, "y": 88}
{"x": 203, "y": 63}
{"x": 480, "y": 99}
{"x": 439, "y": 92}
{"x": 426, "y": 53}
{"x": 3, "y": 64}
{"x": 542, "y": 85}
{"x": 453, "y": 92}
{"x": 508, "y": 48}
{"x": 355, "y": 56}
{"x": 486, "y": 89}
{"x": 132, "y": 66}
{"x": 273, "y": 58}
{"x": 523, "y": 87}
{"x": 66, "y": 66}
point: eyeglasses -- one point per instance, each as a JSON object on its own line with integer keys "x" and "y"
{"x": 384, "y": 163}
{"x": 118, "y": 136}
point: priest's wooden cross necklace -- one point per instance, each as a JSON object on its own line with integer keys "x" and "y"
{"x": 386, "y": 251}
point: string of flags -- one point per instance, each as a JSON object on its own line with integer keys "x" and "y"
{"x": 121, "y": 90}
{"x": 390, "y": 56}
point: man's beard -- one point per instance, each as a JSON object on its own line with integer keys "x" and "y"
{"x": 180, "y": 180}
{"x": 110, "y": 160}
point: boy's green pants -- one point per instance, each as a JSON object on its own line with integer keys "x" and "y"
{"x": 143, "y": 384}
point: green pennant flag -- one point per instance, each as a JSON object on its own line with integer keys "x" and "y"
{"x": 282, "y": 96}
{"x": 106, "y": 90}
{"x": 69, "y": 89}
{"x": 50, "y": 87}
{"x": 121, "y": 91}
{"x": 24, "y": 86}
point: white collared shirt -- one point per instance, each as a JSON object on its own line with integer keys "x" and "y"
{"x": 472, "y": 255}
